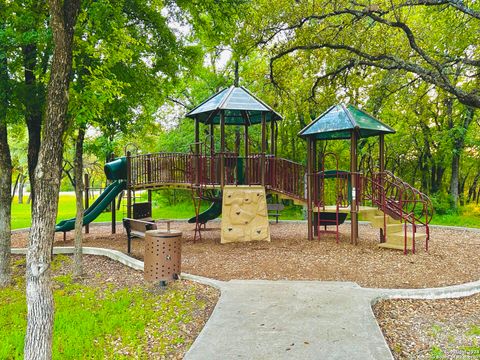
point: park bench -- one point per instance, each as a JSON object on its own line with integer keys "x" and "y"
{"x": 274, "y": 210}
{"x": 141, "y": 222}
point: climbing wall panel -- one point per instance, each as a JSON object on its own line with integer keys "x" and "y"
{"x": 244, "y": 214}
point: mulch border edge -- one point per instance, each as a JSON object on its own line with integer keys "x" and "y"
{"x": 123, "y": 259}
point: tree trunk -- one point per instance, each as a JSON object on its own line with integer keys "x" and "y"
{"x": 437, "y": 177}
{"x": 5, "y": 205}
{"x": 78, "y": 265}
{"x": 6, "y": 175}
{"x": 38, "y": 340}
{"x": 21, "y": 185}
{"x": 472, "y": 191}
{"x": 454, "y": 178}
{"x": 33, "y": 114}
{"x": 458, "y": 146}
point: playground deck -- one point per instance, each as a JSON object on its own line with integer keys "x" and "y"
{"x": 386, "y": 201}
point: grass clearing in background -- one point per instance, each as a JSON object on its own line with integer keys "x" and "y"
{"x": 467, "y": 216}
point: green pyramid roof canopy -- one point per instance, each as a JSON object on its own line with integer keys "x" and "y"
{"x": 240, "y": 107}
{"x": 339, "y": 121}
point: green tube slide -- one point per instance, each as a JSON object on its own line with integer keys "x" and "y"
{"x": 115, "y": 170}
{"x": 99, "y": 205}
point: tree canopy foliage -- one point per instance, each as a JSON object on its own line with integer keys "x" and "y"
{"x": 135, "y": 68}
{"x": 138, "y": 67}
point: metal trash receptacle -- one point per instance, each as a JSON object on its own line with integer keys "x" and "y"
{"x": 162, "y": 261}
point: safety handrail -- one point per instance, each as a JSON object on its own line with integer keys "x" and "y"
{"x": 397, "y": 198}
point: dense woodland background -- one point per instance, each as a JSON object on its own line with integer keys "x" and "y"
{"x": 139, "y": 66}
{"x": 103, "y": 76}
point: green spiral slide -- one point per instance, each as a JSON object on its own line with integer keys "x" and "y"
{"x": 116, "y": 171}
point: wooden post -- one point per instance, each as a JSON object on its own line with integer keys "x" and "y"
{"x": 222, "y": 148}
{"x": 353, "y": 174}
{"x": 87, "y": 188}
{"x": 264, "y": 145}
{"x": 381, "y": 145}
{"x": 129, "y": 185}
{"x": 309, "y": 189}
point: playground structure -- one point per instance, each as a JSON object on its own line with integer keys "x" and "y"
{"x": 392, "y": 205}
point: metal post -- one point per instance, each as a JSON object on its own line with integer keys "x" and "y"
{"x": 222, "y": 148}
{"x": 264, "y": 144}
{"x": 314, "y": 170}
{"x": 309, "y": 188}
{"x": 381, "y": 145}
{"x": 382, "y": 152}
{"x": 353, "y": 174}
{"x": 113, "y": 207}
{"x": 272, "y": 137}
{"x": 87, "y": 188}
{"x": 246, "y": 152}
{"x": 212, "y": 140}
{"x": 129, "y": 185}
{"x": 114, "y": 216}
{"x": 149, "y": 176}
{"x": 197, "y": 151}
{"x": 212, "y": 153}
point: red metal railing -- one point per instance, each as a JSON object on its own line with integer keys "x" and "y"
{"x": 160, "y": 168}
{"x": 396, "y": 197}
{"x": 286, "y": 177}
{"x": 331, "y": 189}
{"x": 399, "y": 200}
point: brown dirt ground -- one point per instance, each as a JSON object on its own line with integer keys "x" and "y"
{"x": 431, "y": 329}
{"x": 453, "y": 257}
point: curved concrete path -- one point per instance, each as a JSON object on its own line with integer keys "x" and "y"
{"x": 261, "y": 319}
{"x": 291, "y": 320}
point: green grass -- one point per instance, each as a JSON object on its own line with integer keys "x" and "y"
{"x": 468, "y": 216}
{"x": 464, "y": 220}
{"x": 96, "y": 323}
{"x": 21, "y": 214}
{"x": 461, "y": 351}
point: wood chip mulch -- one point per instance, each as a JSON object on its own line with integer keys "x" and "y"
{"x": 453, "y": 257}
{"x": 431, "y": 329}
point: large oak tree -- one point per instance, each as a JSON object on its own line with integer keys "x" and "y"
{"x": 38, "y": 340}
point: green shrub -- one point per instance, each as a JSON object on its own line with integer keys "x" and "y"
{"x": 443, "y": 204}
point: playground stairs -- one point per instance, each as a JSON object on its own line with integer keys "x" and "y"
{"x": 395, "y": 230}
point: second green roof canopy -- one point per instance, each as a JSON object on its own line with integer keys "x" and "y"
{"x": 239, "y": 106}
{"x": 339, "y": 121}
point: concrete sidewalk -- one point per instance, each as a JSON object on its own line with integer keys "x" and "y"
{"x": 291, "y": 320}
{"x": 260, "y": 319}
